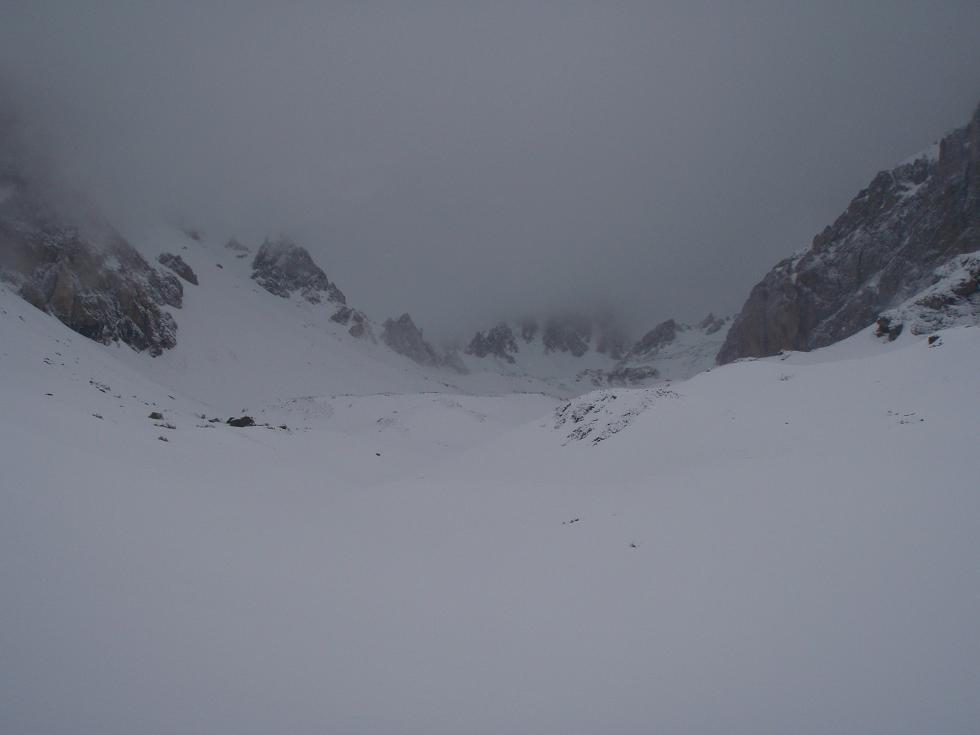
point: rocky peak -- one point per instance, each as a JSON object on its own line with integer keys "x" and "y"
{"x": 498, "y": 341}
{"x": 881, "y": 251}
{"x": 661, "y": 335}
{"x": 406, "y": 339}
{"x": 570, "y": 333}
{"x": 402, "y": 336}
{"x": 282, "y": 267}
{"x": 711, "y": 324}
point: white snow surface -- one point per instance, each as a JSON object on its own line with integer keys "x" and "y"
{"x": 236, "y": 341}
{"x": 779, "y": 545}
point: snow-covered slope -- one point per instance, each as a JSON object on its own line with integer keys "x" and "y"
{"x": 779, "y": 545}
{"x": 239, "y": 345}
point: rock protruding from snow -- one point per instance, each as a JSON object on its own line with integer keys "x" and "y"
{"x": 662, "y": 334}
{"x": 359, "y": 326}
{"x": 85, "y": 274}
{"x": 953, "y": 300}
{"x": 601, "y": 414}
{"x": 711, "y": 324}
{"x": 402, "y": 336}
{"x": 669, "y": 351}
{"x": 498, "y": 342}
{"x": 406, "y": 339}
{"x": 178, "y": 266}
{"x": 282, "y": 267}
{"x": 880, "y": 252}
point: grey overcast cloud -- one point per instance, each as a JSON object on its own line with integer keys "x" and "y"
{"x": 464, "y": 161}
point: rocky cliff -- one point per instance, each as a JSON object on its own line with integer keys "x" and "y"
{"x": 83, "y": 272}
{"x": 881, "y": 251}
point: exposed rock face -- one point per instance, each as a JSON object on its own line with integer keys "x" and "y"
{"x": 953, "y": 300}
{"x": 405, "y": 338}
{"x": 662, "y": 334}
{"x": 670, "y": 351}
{"x": 567, "y": 334}
{"x": 357, "y": 322}
{"x": 880, "y": 252}
{"x": 282, "y": 267}
{"x": 498, "y": 342}
{"x": 178, "y": 266}
{"x": 711, "y": 324}
{"x": 84, "y": 274}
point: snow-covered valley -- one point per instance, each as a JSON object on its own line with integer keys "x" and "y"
{"x": 778, "y": 545}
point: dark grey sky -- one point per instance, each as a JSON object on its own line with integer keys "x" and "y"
{"x": 462, "y": 159}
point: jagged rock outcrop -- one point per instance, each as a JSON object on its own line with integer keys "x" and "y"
{"x": 282, "y": 267}
{"x": 711, "y": 324}
{"x": 178, "y": 266}
{"x": 83, "y": 272}
{"x": 669, "y": 351}
{"x": 406, "y": 339}
{"x": 883, "y": 250}
{"x": 358, "y": 324}
{"x": 662, "y": 334}
{"x": 952, "y": 300}
{"x": 402, "y": 336}
{"x": 498, "y": 342}
{"x": 571, "y": 333}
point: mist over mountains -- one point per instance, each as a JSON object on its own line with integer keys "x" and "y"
{"x": 469, "y": 166}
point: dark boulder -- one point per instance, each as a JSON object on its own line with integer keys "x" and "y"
{"x": 241, "y": 422}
